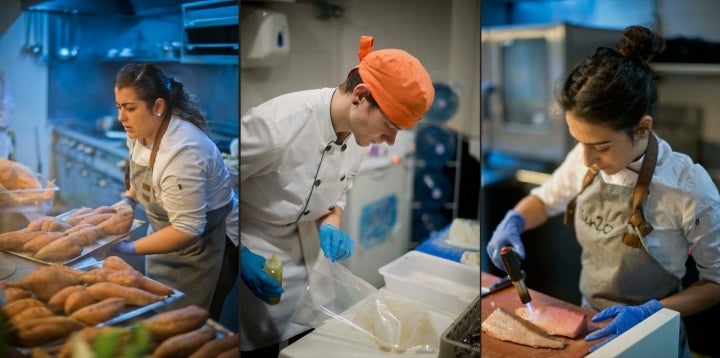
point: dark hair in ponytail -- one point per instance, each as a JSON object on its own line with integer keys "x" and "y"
{"x": 150, "y": 83}
{"x": 615, "y": 88}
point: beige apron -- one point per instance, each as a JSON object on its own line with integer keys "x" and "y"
{"x": 193, "y": 270}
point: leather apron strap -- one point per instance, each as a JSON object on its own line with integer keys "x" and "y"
{"x": 153, "y": 152}
{"x": 637, "y": 219}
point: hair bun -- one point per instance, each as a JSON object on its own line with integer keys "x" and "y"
{"x": 640, "y": 42}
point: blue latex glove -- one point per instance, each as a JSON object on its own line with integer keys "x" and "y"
{"x": 124, "y": 247}
{"x": 255, "y": 278}
{"x": 626, "y": 317}
{"x": 335, "y": 243}
{"x": 507, "y": 233}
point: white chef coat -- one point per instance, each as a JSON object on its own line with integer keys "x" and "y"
{"x": 682, "y": 205}
{"x": 291, "y": 173}
{"x": 189, "y": 177}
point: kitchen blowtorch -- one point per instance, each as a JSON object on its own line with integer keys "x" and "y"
{"x": 511, "y": 261}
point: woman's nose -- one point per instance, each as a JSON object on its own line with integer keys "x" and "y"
{"x": 589, "y": 156}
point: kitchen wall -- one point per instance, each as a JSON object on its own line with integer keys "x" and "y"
{"x": 692, "y": 19}
{"x": 444, "y": 35}
{"x": 74, "y": 93}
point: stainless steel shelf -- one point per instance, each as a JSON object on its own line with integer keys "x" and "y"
{"x": 701, "y": 69}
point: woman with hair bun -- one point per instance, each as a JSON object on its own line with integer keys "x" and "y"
{"x": 638, "y": 208}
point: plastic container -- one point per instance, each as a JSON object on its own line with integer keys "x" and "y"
{"x": 273, "y": 267}
{"x": 28, "y": 200}
{"x": 445, "y": 284}
{"x": 458, "y": 340}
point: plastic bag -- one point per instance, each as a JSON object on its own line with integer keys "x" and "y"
{"x": 332, "y": 290}
{"x": 398, "y": 324}
{"x": 392, "y": 322}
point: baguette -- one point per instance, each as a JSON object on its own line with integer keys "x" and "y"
{"x": 216, "y": 346}
{"x": 100, "y": 311}
{"x": 184, "y": 344}
{"x": 132, "y": 295}
{"x": 172, "y": 323}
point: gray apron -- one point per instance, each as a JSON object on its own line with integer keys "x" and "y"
{"x": 193, "y": 270}
{"x": 617, "y": 270}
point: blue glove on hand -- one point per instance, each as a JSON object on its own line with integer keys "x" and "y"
{"x": 507, "y": 233}
{"x": 335, "y": 243}
{"x": 626, "y": 317}
{"x": 124, "y": 247}
{"x": 255, "y": 278}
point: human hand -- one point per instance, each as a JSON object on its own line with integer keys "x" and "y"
{"x": 626, "y": 317}
{"x": 124, "y": 247}
{"x": 126, "y": 203}
{"x": 335, "y": 243}
{"x": 507, "y": 233}
{"x": 255, "y": 278}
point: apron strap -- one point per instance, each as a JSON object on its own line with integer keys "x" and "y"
{"x": 153, "y": 152}
{"x": 637, "y": 219}
{"x": 569, "y": 218}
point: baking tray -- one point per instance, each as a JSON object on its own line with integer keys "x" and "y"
{"x": 129, "y": 314}
{"x": 88, "y": 250}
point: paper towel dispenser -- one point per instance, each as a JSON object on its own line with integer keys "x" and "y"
{"x": 210, "y": 32}
{"x": 265, "y": 40}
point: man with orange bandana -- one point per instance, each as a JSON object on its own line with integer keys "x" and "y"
{"x": 299, "y": 155}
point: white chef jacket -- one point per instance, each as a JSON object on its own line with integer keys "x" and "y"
{"x": 291, "y": 173}
{"x": 189, "y": 178}
{"x": 682, "y": 205}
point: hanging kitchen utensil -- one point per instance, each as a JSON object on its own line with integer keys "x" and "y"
{"x": 73, "y": 33}
{"x": 38, "y": 32}
{"x": 63, "y": 52}
{"x": 29, "y": 36}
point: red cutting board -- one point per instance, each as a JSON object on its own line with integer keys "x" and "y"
{"x": 508, "y": 299}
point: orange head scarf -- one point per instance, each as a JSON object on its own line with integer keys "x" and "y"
{"x": 398, "y": 82}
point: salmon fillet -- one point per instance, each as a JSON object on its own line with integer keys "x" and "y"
{"x": 507, "y": 326}
{"x": 555, "y": 320}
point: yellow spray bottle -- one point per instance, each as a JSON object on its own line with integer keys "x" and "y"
{"x": 273, "y": 267}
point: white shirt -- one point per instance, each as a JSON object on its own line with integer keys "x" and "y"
{"x": 189, "y": 178}
{"x": 283, "y": 153}
{"x": 683, "y": 205}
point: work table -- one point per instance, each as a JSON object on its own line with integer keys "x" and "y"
{"x": 508, "y": 299}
